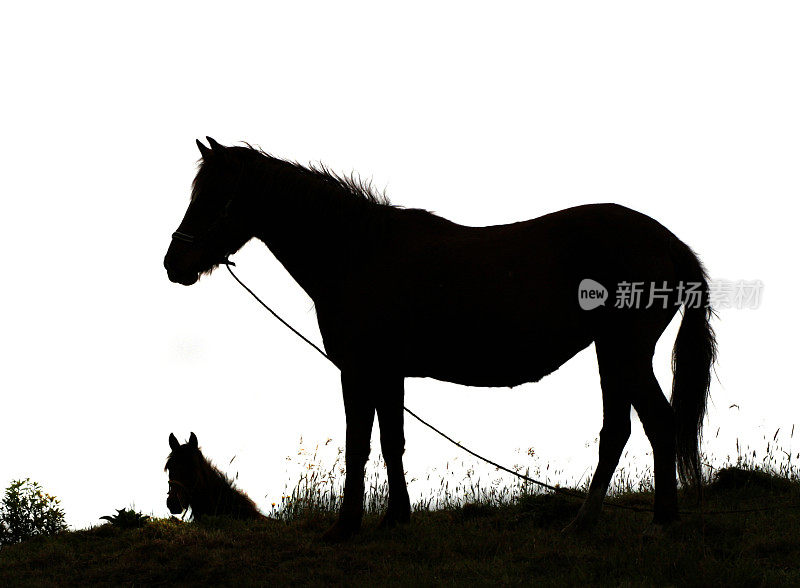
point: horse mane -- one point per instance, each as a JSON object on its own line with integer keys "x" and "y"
{"x": 352, "y": 184}
{"x": 282, "y": 171}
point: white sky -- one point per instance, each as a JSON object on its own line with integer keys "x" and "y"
{"x": 685, "y": 111}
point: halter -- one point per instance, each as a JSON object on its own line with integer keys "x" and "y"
{"x": 188, "y": 494}
{"x": 177, "y": 483}
{"x": 185, "y": 237}
{"x": 190, "y": 240}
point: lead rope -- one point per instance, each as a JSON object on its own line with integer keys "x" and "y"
{"x": 555, "y": 489}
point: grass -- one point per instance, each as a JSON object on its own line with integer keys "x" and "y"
{"x": 467, "y": 535}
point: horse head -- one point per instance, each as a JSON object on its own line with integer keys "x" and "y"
{"x": 182, "y": 469}
{"x": 216, "y": 223}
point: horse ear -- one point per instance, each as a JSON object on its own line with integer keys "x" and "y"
{"x": 193, "y": 440}
{"x": 173, "y": 442}
{"x": 204, "y": 151}
{"x": 214, "y": 145}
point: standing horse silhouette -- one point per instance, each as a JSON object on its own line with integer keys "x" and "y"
{"x": 405, "y": 293}
{"x": 195, "y": 483}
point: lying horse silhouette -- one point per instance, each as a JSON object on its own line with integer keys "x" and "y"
{"x": 405, "y": 293}
{"x": 195, "y": 483}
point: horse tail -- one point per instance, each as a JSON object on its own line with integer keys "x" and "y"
{"x": 693, "y": 358}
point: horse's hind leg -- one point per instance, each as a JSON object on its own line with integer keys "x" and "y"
{"x": 616, "y": 386}
{"x": 390, "y": 420}
{"x": 658, "y": 420}
{"x": 626, "y": 375}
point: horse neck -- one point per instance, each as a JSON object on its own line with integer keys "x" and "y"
{"x": 218, "y": 496}
{"x": 318, "y": 234}
{"x": 210, "y": 488}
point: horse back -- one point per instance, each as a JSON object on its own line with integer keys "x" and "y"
{"x": 492, "y": 306}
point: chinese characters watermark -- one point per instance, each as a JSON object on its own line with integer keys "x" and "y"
{"x": 739, "y": 294}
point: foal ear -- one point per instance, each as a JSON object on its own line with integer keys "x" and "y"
{"x": 214, "y": 145}
{"x": 204, "y": 151}
{"x": 193, "y": 440}
{"x": 173, "y": 442}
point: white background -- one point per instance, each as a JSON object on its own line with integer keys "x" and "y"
{"x": 686, "y": 111}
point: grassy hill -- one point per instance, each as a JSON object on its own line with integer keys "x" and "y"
{"x": 520, "y": 542}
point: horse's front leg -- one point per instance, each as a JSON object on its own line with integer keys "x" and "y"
{"x": 389, "y": 403}
{"x": 359, "y": 410}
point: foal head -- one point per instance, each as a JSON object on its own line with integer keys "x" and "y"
{"x": 195, "y": 483}
{"x": 218, "y": 221}
{"x": 184, "y": 467}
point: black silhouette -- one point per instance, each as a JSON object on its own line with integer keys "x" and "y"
{"x": 195, "y": 483}
{"x": 403, "y": 292}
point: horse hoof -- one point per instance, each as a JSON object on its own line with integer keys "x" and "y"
{"x": 579, "y": 526}
{"x": 658, "y": 530}
{"x": 339, "y": 533}
{"x": 392, "y": 520}
{"x": 653, "y": 531}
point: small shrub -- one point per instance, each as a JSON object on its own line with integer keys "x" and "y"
{"x": 127, "y": 518}
{"x": 27, "y": 510}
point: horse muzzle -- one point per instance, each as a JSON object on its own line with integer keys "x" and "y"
{"x": 174, "y": 505}
{"x": 177, "y": 276}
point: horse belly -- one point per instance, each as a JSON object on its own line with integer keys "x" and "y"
{"x": 492, "y": 361}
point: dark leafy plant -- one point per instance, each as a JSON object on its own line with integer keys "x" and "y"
{"x": 26, "y": 510}
{"x": 127, "y": 518}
